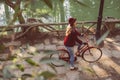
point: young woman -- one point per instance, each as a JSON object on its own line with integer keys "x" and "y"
{"x": 70, "y": 40}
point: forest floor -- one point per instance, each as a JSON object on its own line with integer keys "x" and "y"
{"x": 107, "y": 68}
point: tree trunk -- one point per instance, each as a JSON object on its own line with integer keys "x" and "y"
{"x": 18, "y": 12}
{"x": 98, "y": 29}
{"x": 16, "y": 8}
{"x": 7, "y": 14}
{"x": 62, "y": 13}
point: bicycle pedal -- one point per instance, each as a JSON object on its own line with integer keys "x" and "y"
{"x": 75, "y": 58}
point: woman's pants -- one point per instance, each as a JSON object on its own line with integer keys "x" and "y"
{"x": 71, "y": 53}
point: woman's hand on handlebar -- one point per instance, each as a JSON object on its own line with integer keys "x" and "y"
{"x": 82, "y": 34}
{"x": 85, "y": 43}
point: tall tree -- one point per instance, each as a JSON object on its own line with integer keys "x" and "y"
{"x": 98, "y": 29}
{"x": 7, "y": 13}
{"x": 62, "y": 13}
{"x": 18, "y": 12}
{"x": 67, "y": 9}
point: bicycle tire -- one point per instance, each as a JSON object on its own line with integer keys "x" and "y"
{"x": 92, "y": 54}
{"x": 57, "y": 56}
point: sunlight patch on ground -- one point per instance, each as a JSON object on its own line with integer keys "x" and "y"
{"x": 117, "y": 47}
{"x": 32, "y": 49}
{"x": 115, "y": 53}
{"x": 99, "y": 71}
{"x": 109, "y": 62}
{"x": 3, "y": 33}
{"x": 73, "y": 76}
{"x": 109, "y": 39}
{"x": 106, "y": 54}
{"x": 112, "y": 64}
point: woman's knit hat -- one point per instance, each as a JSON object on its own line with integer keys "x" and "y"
{"x": 71, "y": 21}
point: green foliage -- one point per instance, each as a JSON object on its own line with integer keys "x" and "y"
{"x": 6, "y": 72}
{"x": 111, "y": 8}
{"x": 13, "y": 57}
{"x": 48, "y": 60}
{"x": 81, "y": 12}
{"x": 81, "y": 3}
{"x": 20, "y": 67}
{"x": 25, "y": 76}
{"x": 37, "y": 75}
{"x": 48, "y": 52}
{"x": 47, "y": 74}
{"x": 31, "y": 62}
{"x": 2, "y": 48}
{"x": 81, "y": 9}
{"x": 53, "y": 67}
{"x": 1, "y": 1}
{"x": 48, "y": 3}
{"x": 37, "y": 8}
{"x": 90, "y": 70}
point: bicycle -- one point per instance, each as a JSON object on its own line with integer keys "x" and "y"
{"x": 86, "y": 52}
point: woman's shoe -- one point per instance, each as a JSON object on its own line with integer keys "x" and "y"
{"x": 73, "y": 68}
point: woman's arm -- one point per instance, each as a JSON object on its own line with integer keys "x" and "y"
{"x": 77, "y": 33}
{"x": 79, "y": 41}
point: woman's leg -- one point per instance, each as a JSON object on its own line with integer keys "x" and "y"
{"x": 78, "y": 46}
{"x": 71, "y": 53}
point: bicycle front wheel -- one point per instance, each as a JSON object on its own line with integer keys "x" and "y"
{"x": 92, "y": 54}
{"x": 60, "y": 58}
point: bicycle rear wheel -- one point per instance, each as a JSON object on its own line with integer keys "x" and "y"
{"x": 60, "y": 58}
{"x": 92, "y": 54}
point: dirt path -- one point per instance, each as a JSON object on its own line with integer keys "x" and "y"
{"x": 107, "y": 68}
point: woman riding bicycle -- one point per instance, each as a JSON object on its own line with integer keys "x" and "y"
{"x": 71, "y": 37}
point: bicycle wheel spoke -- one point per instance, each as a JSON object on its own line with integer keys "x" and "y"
{"x": 92, "y": 54}
{"x": 60, "y": 58}
{"x": 56, "y": 60}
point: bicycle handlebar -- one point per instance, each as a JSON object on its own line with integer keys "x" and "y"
{"x": 85, "y": 37}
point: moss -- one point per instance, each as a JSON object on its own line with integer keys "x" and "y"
{"x": 2, "y": 48}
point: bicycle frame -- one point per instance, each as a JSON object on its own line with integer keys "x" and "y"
{"x": 84, "y": 47}
{"x": 81, "y": 50}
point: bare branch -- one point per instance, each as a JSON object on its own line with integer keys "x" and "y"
{"x": 18, "y": 2}
{"x": 10, "y": 3}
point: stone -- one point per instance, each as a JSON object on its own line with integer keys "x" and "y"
{"x": 13, "y": 43}
{"x": 50, "y": 47}
{"x": 117, "y": 38}
{"x": 108, "y": 79}
{"x": 106, "y": 53}
{"x": 54, "y": 41}
{"x": 60, "y": 47}
{"x": 73, "y": 75}
{"x": 47, "y": 42}
{"x": 100, "y": 71}
{"x": 32, "y": 49}
{"x": 60, "y": 43}
{"x": 115, "y": 53}
{"x": 40, "y": 46}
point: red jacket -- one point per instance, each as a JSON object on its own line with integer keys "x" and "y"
{"x": 72, "y": 38}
